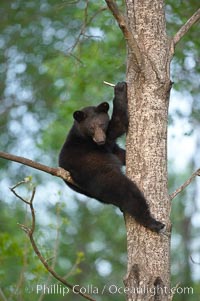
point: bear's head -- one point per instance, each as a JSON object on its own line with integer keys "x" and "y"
{"x": 92, "y": 122}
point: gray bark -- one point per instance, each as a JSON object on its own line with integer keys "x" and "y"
{"x": 148, "y": 275}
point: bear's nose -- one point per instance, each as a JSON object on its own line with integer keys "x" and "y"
{"x": 100, "y": 142}
{"x": 99, "y": 136}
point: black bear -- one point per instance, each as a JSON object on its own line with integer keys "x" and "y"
{"x": 94, "y": 160}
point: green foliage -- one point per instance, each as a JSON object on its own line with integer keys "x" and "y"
{"x": 185, "y": 66}
{"x": 77, "y": 246}
{"x": 184, "y": 236}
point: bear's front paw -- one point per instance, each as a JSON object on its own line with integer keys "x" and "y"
{"x": 120, "y": 87}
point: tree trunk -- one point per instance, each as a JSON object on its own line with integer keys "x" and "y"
{"x": 148, "y": 275}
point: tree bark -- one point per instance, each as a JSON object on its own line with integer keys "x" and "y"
{"x": 148, "y": 275}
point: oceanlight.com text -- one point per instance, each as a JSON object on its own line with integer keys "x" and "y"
{"x": 57, "y": 289}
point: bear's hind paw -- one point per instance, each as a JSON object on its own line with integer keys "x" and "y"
{"x": 157, "y": 227}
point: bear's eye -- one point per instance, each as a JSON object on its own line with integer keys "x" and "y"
{"x": 91, "y": 128}
{"x": 103, "y": 126}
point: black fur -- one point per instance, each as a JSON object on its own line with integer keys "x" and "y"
{"x": 94, "y": 160}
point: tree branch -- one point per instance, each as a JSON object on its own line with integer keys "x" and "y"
{"x": 58, "y": 172}
{"x": 30, "y": 232}
{"x": 184, "y": 29}
{"x": 177, "y": 191}
{"x": 131, "y": 41}
{"x": 86, "y": 22}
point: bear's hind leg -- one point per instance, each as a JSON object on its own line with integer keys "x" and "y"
{"x": 137, "y": 206}
{"x": 118, "y": 190}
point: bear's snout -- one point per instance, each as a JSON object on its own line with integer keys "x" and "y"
{"x": 99, "y": 136}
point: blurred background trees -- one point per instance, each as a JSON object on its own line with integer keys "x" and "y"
{"x": 54, "y": 57}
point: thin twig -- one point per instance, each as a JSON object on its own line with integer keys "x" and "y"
{"x": 30, "y": 233}
{"x": 32, "y": 212}
{"x": 26, "y": 180}
{"x": 58, "y": 172}
{"x": 193, "y": 261}
{"x": 174, "y": 291}
{"x": 85, "y": 24}
{"x": 108, "y": 84}
{"x": 3, "y": 297}
{"x": 177, "y": 191}
{"x": 184, "y": 29}
{"x": 131, "y": 41}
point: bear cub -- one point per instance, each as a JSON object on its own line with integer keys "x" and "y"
{"x": 94, "y": 160}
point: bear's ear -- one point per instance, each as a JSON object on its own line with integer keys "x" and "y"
{"x": 79, "y": 116}
{"x": 102, "y": 108}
